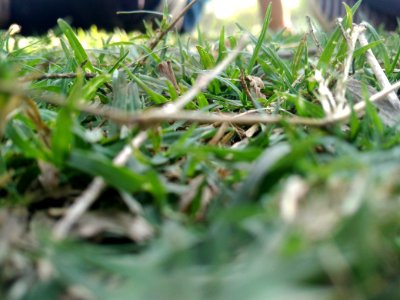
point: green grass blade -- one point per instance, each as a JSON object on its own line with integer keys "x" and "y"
{"x": 222, "y": 51}
{"x": 80, "y": 54}
{"x": 157, "y": 98}
{"x": 261, "y": 39}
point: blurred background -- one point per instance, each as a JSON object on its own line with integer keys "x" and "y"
{"x": 227, "y": 13}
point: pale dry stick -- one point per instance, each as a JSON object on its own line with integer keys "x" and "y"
{"x": 219, "y": 135}
{"x": 246, "y": 90}
{"x": 340, "y": 94}
{"x": 156, "y": 116}
{"x": 326, "y": 97}
{"x": 89, "y": 196}
{"x": 286, "y": 54}
{"x": 351, "y": 43}
{"x": 360, "y": 106}
{"x": 197, "y": 117}
{"x": 378, "y": 71}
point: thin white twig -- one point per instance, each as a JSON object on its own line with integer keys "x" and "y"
{"x": 360, "y": 106}
{"x": 156, "y": 116}
{"x": 378, "y": 71}
{"x": 351, "y": 39}
{"x": 326, "y": 98}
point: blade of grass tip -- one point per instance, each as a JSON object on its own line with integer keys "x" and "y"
{"x": 261, "y": 38}
{"x": 80, "y": 53}
{"x": 362, "y": 50}
{"x": 332, "y": 44}
{"x": 182, "y": 57}
{"x": 26, "y": 141}
{"x": 89, "y": 196}
{"x": 346, "y": 24}
{"x": 221, "y": 46}
{"x": 298, "y": 56}
{"x": 71, "y": 61}
{"x": 328, "y": 51}
{"x": 206, "y": 58}
{"x": 204, "y": 80}
{"x": 395, "y": 61}
{"x": 118, "y": 63}
{"x": 382, "y": 51}
{"x": 200, "y": 37}
{"x": 157, "y": 98}
{"x": 148, "y": 53}
{"x": 372, "y": 114}
{"x": 62, "y": 138}
{"x": 273, "y": 57}
{"x": 90, "y": 89}
{"x": 166, "y": 15}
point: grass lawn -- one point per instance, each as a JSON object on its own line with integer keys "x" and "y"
{"x": 239, "y": 167}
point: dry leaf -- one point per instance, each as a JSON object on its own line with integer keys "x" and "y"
{"x": 187, "y": 198}
{"x": 49, "y": 176}
{"x": 207, "y": 195}
{"x": 5, "y": 179}
{"x": 33, "y": 113}
{"x": 8, "y": 104}
{"x": 165, "y": 68}
{"x": 139, "y": 229}
{"x": 256, "y": 85}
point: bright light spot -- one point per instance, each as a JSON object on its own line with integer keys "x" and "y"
{"x": 225, "y": 9}
{"x": 291, "y": 4}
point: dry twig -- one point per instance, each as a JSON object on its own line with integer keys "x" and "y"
{"x": 351, "y": 39}
{"x": 378, "y": 71}
{"x": 245, "y": 88}
{"x": 155, "y": 116}
{"x": 55, "y": 76}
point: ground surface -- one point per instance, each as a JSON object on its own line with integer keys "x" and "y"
{"x": 205, "y": 203}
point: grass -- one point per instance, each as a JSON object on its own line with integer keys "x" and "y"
{"x": 198, "y": 209}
